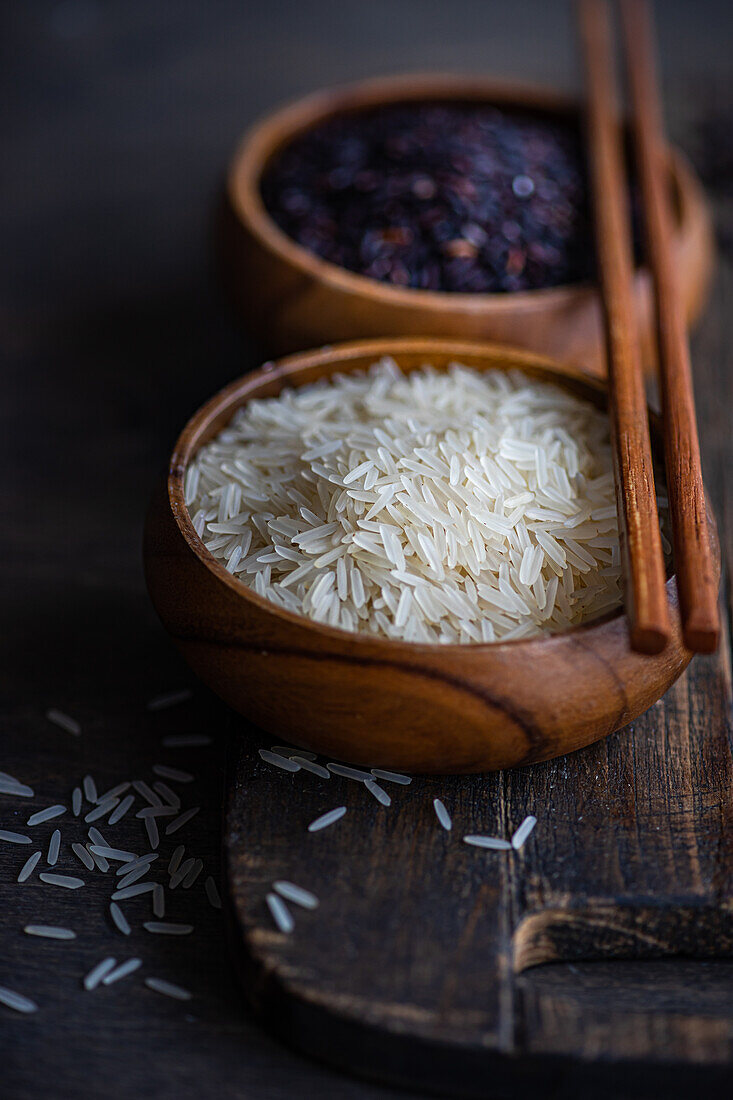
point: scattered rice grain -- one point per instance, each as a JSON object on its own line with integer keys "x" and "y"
{"x": 169, "y": 929}
{"x": 63, "y": 721}
{"x": 46, "y": 815}
{"x": 69, "y": 882}
{"x": 122, "y": 971}
{"x": 28, "y": 867}
{"x": 296, "y": 894}
{"x": 379, "y": 792}
{"x": 17, "y": 1000}
{"x": 179, "y": 822}
{"x": 54, "y": 847}
{"x": 49, "y": 932}
{"x": 523, "y": 832}
{"x": 493, "y": 842}
{"x": 119, "y": 918}
{"x": 168, "y": 989}
{"x": 97, "y": 973}
{"x": 169, "y": 699}
{"x": 283, "y": 762}
{"x": 391, "y": 777}
{"x": 174, "y": 774}
{"x": 14, "y": 838}
{"x": 442, "y": 814}
{"x": 280, "y": 913}
{"x": 212, "y": 893}
{"x": 326, "y": 819}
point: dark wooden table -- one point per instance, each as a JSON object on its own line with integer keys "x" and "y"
{"x": 117, "y": 121}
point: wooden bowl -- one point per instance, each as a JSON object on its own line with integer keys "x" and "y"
{"x": 421, "y": 708}
{"x": 290, "y": 298}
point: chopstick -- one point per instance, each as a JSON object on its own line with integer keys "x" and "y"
{"x": 693, "y": 556}
{"x": 645, "y": 595}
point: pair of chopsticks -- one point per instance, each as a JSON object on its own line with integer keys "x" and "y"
{"x": 646, "y": 601}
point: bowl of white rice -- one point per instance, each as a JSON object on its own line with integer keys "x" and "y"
{"x": 405, "y": 553}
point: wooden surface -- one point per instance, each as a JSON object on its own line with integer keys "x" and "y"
{"x": 696, "y": 585}
{"x": 292, "y": 299}
{"x": 419, "y": 708}
{"x": 420, "y": 954}
{"x": 118, "y": 119}
{"x": 636, "y": 497}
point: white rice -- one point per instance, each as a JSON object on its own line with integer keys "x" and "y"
{"x": 296, "y": 894}
{"x": 391, "y": 777}
{"x": 168, "y": 989}
{"x": 165, "y": 792}
{"x": 311, "y": 766}
{"x": 13, "y": 787}
{"x": 114, "y": 791}
{"x": 158, "y": 901}
{"x": 119, "y": 812}
{"x": 63, "y": 721}
{"x": 147, "y": 793}
{"x": 442, "y": 814}
{"x": 28, "y": 867}
{"x": 17, "y": 1000}
{"x": 156, "y": 811}
{"x": 327, "y": 819}
{"x": 181, "y": 821}
{"x": 50, "y": 932}
{"x": 176, "y": 858}
{"x": 149, "y": 857}
{"x": 288, "y": 750}
{"x": 46, "y": 815}
{"x": 174, "y": 774}
{"x": 494, "y": 842}
{"x": 122, "y": 971}
{"x": 193, "y": 874}
{"x": 69, "y": 882}
{"x": 90, "y": 788}
{"x": 282, "y": 762}
{"x": 280, "y": 913}
{"x": 212, "y": 893}
{"x": 54, "y": 848}
{"x": 83, "y": 856}
{"x": 151, "y": 828}
{"x": 169, "y": 699}
{"x": 100, "y": 862}
{"x": 119, "y": 855}
{"x": 450, "y": 507}
{"x": 523, "y": 832}
{"x": 180, "y": 874}
{"x": 76, "y": 801}
{"x": 379, "y": 792}
{"x": 101, "y": 810}
{"x": 96, "y": 838}
{"x": 125, "y": 892}
{"x": 168, "y": 929}
{"x": 349, "y": 773}
{"x": 14, "y": 838}
{"x": 97, "y": 973}
{"x": 119, "y": 918}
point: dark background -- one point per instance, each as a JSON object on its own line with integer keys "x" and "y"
{"x": 117, "y": 122}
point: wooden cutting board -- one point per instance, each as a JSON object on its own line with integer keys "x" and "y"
{"x": 421, "y": 963}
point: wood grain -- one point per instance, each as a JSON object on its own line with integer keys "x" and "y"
{"x": 374, "y": 701}
{"x": 696, "y": 582}
{"x": 421, "y": 962}
{"x": 641, "y": 546}
{"x": 292, "y": 299}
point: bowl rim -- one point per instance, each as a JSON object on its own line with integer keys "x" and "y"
{"x": 220, "y": 408}
{"x": 277, "y": 128}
